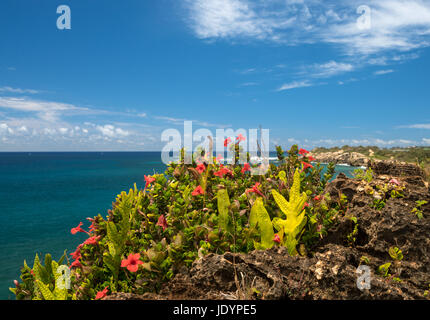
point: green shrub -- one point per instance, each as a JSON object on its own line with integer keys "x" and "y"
{"x": 190, "y": 211}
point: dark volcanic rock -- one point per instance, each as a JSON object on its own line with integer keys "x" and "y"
{"x": 331, "y": 272}
{"x": 396, "y": 169}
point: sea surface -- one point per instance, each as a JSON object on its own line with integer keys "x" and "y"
{"x": 44, "y": 195}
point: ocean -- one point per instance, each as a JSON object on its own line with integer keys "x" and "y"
{"x": 44, "y": 195}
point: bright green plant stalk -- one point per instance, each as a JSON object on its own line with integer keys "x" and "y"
{"x": 291, "y": 229}
{"x": 117, "y": 237}
{"x": 259, "y": 218}
{"x": 223, "y": 207}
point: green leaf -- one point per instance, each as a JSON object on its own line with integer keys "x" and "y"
{"x": 223, "y": 209}
{"x": 395, "y": 253}
{"x": 46, "y": 293}
{"x": 259, "y": 218}
{"x": 383, "y": 270}
{"x": 291, "y": 229}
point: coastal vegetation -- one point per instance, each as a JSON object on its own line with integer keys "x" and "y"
{"x": 197, "y": 221}
{"x": 188, "y": 212}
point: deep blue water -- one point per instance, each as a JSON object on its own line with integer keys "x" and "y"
{"x": 44, "y": 195}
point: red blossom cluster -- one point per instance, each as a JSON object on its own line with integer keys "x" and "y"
{"x": 255, "y": 189}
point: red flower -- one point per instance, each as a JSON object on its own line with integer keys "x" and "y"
{"x": 148, "y": 180}
{"x": 223, "y": 171}
{"x": 78, "y": 229}
{"x": 76, "y": 263}
{"x": 132, "y": 262}
{"x": 305, "y": 205}
{"x": 240, "y": 138}
{"x": 92, "y": 227}
{"x": 92, "y": 240}
{"x": 162, "y": 222}
{"x": 302, "y": 152}
{"x": 227, "y": 142}
{"x": 198, "y": 191}
{"x": 246, "y": 167}
{"x": 317, "y": 198}
{"x": 201, "y": 168}
{"x": 219, "y": 173}
{"x": 255, "y": 189}
{"x": 277, "y": 239}
{"x": 311, "y": 158}
{"x": 32, "y": 272}
{"x": 227, "y": 171}
{"x": 101, "y": 294}
{"x": 77, "y": 254}
{"x": 307, "y": 165}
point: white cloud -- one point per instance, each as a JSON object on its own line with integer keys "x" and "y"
{"x": 294, "y": 85}
{"x": 400, "y": 25}
{"x": 331, "y": 68}
{"x": 417, "y": 126}
{"x": 46, "y": 110}
{"x": 17, "y": 90}
{"x": 228, "y": 19}
{"x": 63, "y": 130}
{"x": 382, "y": 72}
{"x": 112, "y": 132}
{"x": 23, "y": 129}
{"x": 49, "y": 131}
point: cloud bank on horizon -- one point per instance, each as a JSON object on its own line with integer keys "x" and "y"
{"x": 344, "y": 54}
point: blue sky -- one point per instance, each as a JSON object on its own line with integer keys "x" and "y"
{"x": 127, "y": 70}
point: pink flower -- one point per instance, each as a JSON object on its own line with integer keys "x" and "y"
{"x": 246, "y": 167}
{"x": 395, "y": 181}
{"x": 277, "y": 239}
{"x": 92, "y": 240}
{"x": 240, "y": 138}
{"x": 148, "y": 180}
{"x": 198, "y": 191}
{"x": 132, "y": 262}
{"x": 77, "y": 254}
{"x": 227, "y": 142}
{"x": 92, "y": 227}
{"x": 201, "y": 168}
{"x": 219, "y": 158}
{"x": 78, "y": 229}
{"x": 102, "y": 294}
{"x": 162, "y": 222}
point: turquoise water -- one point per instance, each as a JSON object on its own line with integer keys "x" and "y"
{"x": 44, "y": 195}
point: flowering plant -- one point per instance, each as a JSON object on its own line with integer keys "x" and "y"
{"x": 192, "y": 210}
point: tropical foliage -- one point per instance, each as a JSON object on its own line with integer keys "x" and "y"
{"x": 187, "y": 212}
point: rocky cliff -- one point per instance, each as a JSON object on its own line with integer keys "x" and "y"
{"x": 330, "y": 271}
